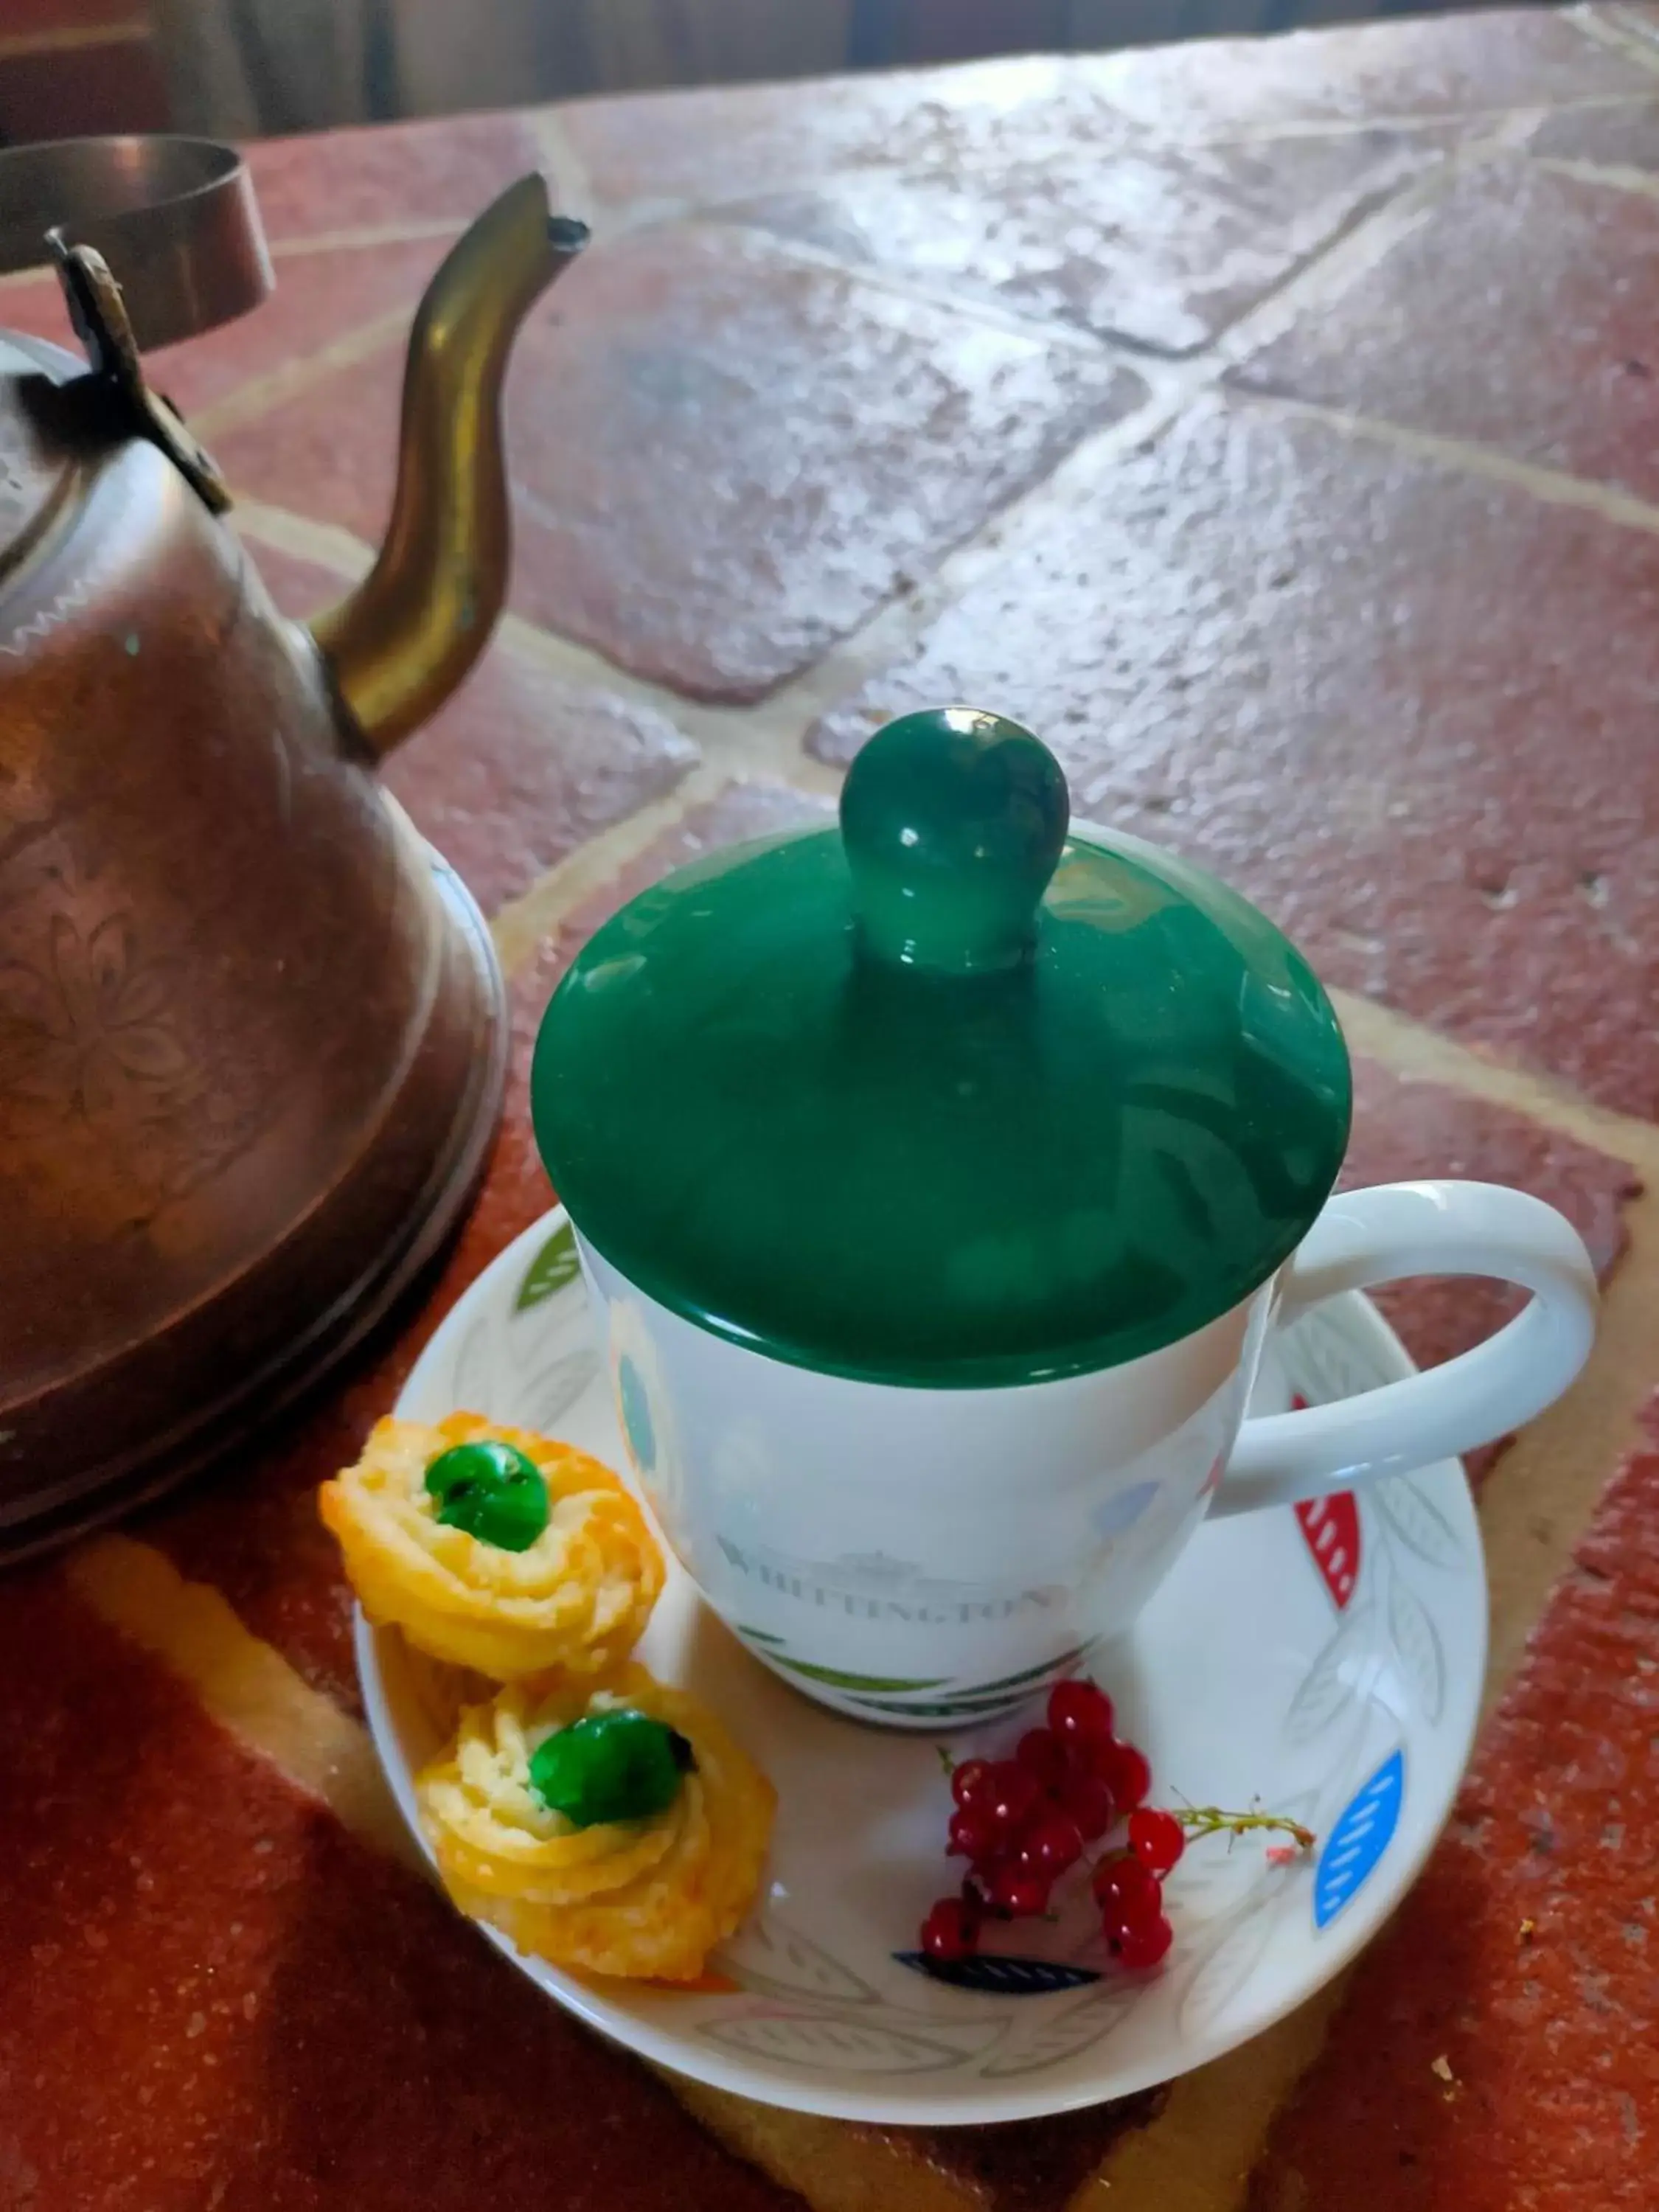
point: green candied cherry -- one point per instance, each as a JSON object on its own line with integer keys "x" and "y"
{"x": 492, "y": 1491}
{"x": 618, "y": 1765}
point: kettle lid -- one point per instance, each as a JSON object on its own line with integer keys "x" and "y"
{"x": 35, "y": 464}
{"x": 958, "y": 1095}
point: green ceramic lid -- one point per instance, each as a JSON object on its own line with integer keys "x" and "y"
{"x": 946, "y": 1096}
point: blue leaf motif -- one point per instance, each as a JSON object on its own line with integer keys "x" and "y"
{"x": 1361, "y": 1835}
{"x": 1000, "y": 1977}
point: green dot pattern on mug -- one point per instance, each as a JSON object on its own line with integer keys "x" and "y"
{"x": 637, "y": 1425}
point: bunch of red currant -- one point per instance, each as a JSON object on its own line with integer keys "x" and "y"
{"x": 1023, "y": 1822}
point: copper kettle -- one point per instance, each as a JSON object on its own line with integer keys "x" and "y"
{"x": 250, "y": 1043}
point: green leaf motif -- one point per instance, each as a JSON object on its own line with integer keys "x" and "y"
{"x": 982, "y": 1697}
{"x": 837, "y": 1680}
{"x": 949, "y": 1709}
{"x": 553, "y": 1267}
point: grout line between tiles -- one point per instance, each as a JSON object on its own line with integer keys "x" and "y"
{"x": 1612, "y": 175}
{"x": 1612, "y": 32}
{"x": 369, "y": 235}
{"x": 747, "y": 740}
{"x": 1552, "y": 486}
{"x": 1409, "y": 1048}
{"x": 243, "y": 1682}
{"x": 247, "y": 402}
{"x": 523, "y": 923}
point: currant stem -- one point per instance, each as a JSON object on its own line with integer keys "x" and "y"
{"x": 1211, "y": 1820}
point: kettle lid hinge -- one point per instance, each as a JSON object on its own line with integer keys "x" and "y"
{"x": 100, "y": 322}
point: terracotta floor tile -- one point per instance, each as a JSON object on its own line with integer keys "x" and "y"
{"x": 1343, "y": 678}
{"x": 737, "y": 812}
{"x": 1524, "y": 1959}
{"x": 1447, "y": 64}
{"x": 1537, "y": 288}
{"x": 521, "y": 766}
{"x": 708, "y": 146}
{"x": 386, "y": 175}
{"x": 33, "y": 303}
{"x": 1625, "y": 136}
{"x": 701, "y": 148}
{"x": 1029, "y": 2165}
{"x": 330, "y": 452}
{"x": 213, "y": 1998}
{"x": 1156, "y": 245}
{"x": 321, "y": 297}
{"x": 1403, "y": 1130}
{"x": 723, "y": 459}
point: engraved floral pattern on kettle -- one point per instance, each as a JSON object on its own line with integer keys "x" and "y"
{"x": 89, "y": 1027}
{"x": 95, "y": 1038}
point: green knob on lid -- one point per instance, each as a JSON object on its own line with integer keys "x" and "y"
{"x": 953, "y": 821}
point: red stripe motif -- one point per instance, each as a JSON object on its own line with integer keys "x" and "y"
{"x": 1330, "y": 1527}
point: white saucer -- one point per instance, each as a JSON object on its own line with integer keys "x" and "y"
{"x": 1274, "y": 1664}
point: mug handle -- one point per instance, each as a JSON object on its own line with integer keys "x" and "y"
{"x": 1375, "y": 1235}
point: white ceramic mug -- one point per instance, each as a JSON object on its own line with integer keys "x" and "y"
{"x": 920, "y": 1557}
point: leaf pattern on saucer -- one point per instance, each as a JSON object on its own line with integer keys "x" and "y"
{"x": 1320, "y": 1362}
{"x": 1062, "y": 2035}
{"x": 552, "y": 1392}
{"x": 998, "y": 1976}
{"x": 1417, "y": 1640}
{"x": 840, "y": 2041}
{"x": 1345, "y": 1668}
{"x": 1224, "y": 1971}
{"x": 1418, "y": 1521}
{"x": 771, "y": 1956}
{"x": 553, "y": 1267}
{"x": 1360, "y": 1835}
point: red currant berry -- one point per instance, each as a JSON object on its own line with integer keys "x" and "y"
{"x": 1141, "y": 1946}
{"x": 1011, "y": 1795}
{"x": 1087, "y": 1800}
{"x": 1124, "y": 1888}
{"x": 968, "y": 1783}
{"x": 1049, "y": 1846}
{"x": 1044, "y": 1754}
{"x": 1081, "y": 1715}
{"x": 1155, "y": 1839}
{"x": 976, "y": 1836}
{"x": 948, "y": 1932}
{"x": 1126, "y": 1774}
{"x": 1018, "y": 1892}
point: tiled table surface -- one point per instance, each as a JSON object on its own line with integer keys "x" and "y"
{"x": 1274, "y": 428}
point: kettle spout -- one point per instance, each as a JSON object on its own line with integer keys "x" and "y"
{"x": 399, "y": 645}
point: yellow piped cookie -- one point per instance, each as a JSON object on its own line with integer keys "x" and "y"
{"x": 646, "y": 1893}
{"x": 563, "y": 1576}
